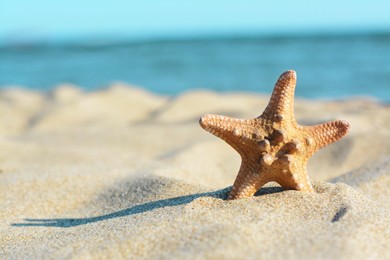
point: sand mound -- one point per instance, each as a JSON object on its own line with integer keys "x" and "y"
{"x": 159, "y": 217}
{"x": 371, "y": 179}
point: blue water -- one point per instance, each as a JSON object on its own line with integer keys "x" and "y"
{"x": 328, "y": 66}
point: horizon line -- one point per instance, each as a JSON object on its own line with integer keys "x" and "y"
{"x": 115, "y": 37}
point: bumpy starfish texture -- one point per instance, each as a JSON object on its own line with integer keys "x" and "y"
{"x": 273, "y": 146}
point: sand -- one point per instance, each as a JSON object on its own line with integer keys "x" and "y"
{"x": 123, "y": 173}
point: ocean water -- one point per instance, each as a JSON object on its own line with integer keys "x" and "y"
{"x": 328, "y": 66}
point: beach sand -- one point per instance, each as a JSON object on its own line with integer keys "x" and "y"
{"x": 123, "y": 173}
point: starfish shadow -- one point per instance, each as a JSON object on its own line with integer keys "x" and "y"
{"x": 138, "y": 209}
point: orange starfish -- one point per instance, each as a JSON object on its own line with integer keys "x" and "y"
{"x": 273, "y": 146}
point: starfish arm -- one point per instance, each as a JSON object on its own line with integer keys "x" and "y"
{"x": 296, "y": 178}
{"x": 322, "y": 135}
{"x": 248, "y": 181}
{"x": 281, "y": 103}
{"x": 236, "y": 132}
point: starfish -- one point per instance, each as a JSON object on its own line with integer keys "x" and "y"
{"x": 273, "y": 146}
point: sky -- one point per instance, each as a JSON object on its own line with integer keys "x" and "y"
{"x": 54, "y": 19}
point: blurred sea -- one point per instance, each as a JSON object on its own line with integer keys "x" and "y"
{"x": 328, "y": 66}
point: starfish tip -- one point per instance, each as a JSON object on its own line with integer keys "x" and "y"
{"x": 289, "y": 74}
{"x": 203, "y": 120}
{"x": 344, "y": 126}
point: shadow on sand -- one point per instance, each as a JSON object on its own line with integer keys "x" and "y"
{"x": 71, "y": 222}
